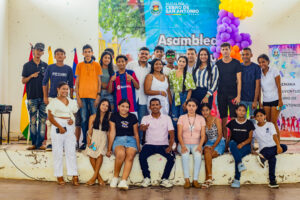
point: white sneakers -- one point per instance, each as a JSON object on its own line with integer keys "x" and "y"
{"x": 166, "y": 183}
{"x": 114, "y": 182}
{"x": 146, "y": 182}
{"x": 122, "y": 184}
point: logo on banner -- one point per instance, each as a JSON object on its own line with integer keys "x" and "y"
{"x": 156, "y": 7}
{"x": 276, "y": 53}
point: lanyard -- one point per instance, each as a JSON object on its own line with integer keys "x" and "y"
{"x": 191, "y": 126}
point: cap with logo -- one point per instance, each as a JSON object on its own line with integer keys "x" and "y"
{"x": 39, "y": 46}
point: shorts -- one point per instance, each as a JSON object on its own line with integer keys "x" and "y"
{"x": 225, "y": 102}
{"x": 220, "y": 148}
{"x": 271, "y": 104}
{"x": 125, "y": 141}
{"x": 78, "y": 119}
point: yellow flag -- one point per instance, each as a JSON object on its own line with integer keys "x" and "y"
{"x": 50, "y": 58}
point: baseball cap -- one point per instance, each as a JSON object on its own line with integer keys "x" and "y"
{"x": 39, "y": 46}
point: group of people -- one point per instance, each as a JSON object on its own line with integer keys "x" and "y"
{"x": 154, "y": 107}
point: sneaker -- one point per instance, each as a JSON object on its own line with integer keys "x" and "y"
{"x": 42, "y": 147}
{"x": 241, "y": 167}
{"x": 166, "y": 183}
{"x": 235, "y": 184}
{"x": 31, "y": 147}
{"x": 114, "y": 182}
{"x": 123, "y": 185}
{"x": 49, "y": 147}
{"x": 82, "y": 147}
{"x": 146, "y": 182}
{"x": 261, "y": 160}
{"x": 273, "y": 184}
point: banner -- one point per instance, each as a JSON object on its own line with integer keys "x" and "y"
{"x": 286, "y": 58}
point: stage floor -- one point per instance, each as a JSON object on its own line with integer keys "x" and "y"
{"x": 28, "y": 190}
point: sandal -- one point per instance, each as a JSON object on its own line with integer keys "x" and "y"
{"x": 207, "y": 184}
{"x": 60, "y": 181}
{"x": 75, "y": 181}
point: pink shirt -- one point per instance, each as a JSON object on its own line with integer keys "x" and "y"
{"x": 191, "y": 128}
{"x": 158, "y": 130}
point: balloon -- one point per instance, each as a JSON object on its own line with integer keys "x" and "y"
{"x": 236, "y": 22}
{"x": 222, "y": 13}
{"x": 216, "y": 55}
{"x": 239, "y": 8}
{"x": 226, "y": 20}
{"x": 219, "y": 42}
{"x": 218, "y": 49}
{"x": 231, "y": 42}
{"x": 219, "y": 21}
{"x": 238, "y": 38}
{"x": 244, "y": 44}
{"x": 235, "y": 48}
{"x": 221, "y": 28}
{"x": 225, "y": 36}
{"x": 233, "y": 27}
{"x": 238, "y": 45}
{"x": 228, "y": 29}
{"x": 213, "y": 48}
{"x": 230, "y": 15}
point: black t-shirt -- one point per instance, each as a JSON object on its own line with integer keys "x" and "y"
{"x": 34, "y": 87}
{"x": 227, "y": 77}
{"x": 240, "y": 132}
{"x": 124, "y": 126}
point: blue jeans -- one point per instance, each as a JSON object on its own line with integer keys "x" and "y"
{"x": 37, "y": 112}
{"x": 248, "y": 104}
{"x": 141, "y": 111}
{"x": 177, "y": 111}
{"x": 238, "y": 154}
{"x": 86, "y": 110}
{"x": 185, "y": 158}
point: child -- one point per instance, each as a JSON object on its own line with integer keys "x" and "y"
{"x": 269, "y": 146}
{"x": 240, "y": 137}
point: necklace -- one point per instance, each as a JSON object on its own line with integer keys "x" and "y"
{"x": 191, "y": 126}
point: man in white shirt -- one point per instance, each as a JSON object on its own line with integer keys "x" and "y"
{"x": 191, "y": 54}
{"x": 141, "y": 68}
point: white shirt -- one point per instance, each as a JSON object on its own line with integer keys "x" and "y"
{"x": 141, "y": 73}
{"x": 59, "y": 109}
{"x": 190, "y": 69}
{"x": 166, "y": 70}
{"x": 268, "y": 85}
{"x": 264, "y": 135}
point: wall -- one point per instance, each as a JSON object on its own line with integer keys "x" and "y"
{"x": 73, "y": 23}
{"x": 3, "y": 51}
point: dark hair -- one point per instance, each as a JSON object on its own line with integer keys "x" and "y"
{"x": 152, "y": 62}
{"x": 208, "y": 67}
{"x": 241, "y": 105}
{"x": 262, "y": 111}
{"x": 93, "y": 58}
{"x": 62, "y": 83}
{"x": 121, "y": 56}
{"x": 225, "y": 44}
{"x": 192, "y": 49}
{"x": 247, "y": 49}
{"x": 161, "y": 48}
{"x": 154, "y": 99}
{"x": 184, "y": 71}
{"x": 192, "y": 100}
{"x": 170, "y": 51}
{"x": 87, "y": 46}
{"x": 264, "y": 56}
{"x": 124, "y": 101}
{"x": 202, "y": 105}
{"x": 105, "y": 120}
{"x": 110, "y": 65}
{"x": 144, "y": 49}
{"x": 110, "y": 50}
{"x": 59, "y": 50}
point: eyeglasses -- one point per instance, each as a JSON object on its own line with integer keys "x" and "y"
{"x": 170, "y": 56}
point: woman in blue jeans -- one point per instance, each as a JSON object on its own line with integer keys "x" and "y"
{"x": 124, "y": 141}
{"x": 241, "y": 131}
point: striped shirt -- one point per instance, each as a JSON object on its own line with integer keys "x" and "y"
{"x": 123, "y": 89}
{"x": 200, "y": 78}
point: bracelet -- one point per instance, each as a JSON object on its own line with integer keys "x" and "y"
{"x": 207, "y": 95}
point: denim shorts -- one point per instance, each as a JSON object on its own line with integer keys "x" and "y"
{"x": 125, "y": 141}
{"x": 220, "y": 148}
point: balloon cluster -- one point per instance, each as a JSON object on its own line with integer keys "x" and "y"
{"x": 228, "y": 31}
{"x": 239, "y": 8}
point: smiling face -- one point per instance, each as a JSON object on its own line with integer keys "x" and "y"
{"x": 106, "y": 59}
{"x": 246, "y": 56}
{"x": 263, "y": 63}
{"x": 155, "y": 107}
{"x": 205, "y": 111}
{"x": 191, "y": 55}
{"x": 260, "y": 117}
{"x": 121, "y": 63}
{"x": 104, "y": 106}
{"x": 203, "y": 56}
{"x": 38, "y": 53}
{"x": 158, "y": 54}
{"x": 158, "y": 66}
{"x": 143, "y": 55}
{"x": 123, "y": 108}
{"x": 171, "y": 57}
{"x": 181, "y": 63}
{"x": 63, "y": 91}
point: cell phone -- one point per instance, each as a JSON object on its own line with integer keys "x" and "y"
{"x": 57, "y": 129}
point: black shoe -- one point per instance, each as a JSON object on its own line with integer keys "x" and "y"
{"x": 273, "y": 184}
{"x": 49, "y": 147}
{"x": 82, "y": 147}
{"x": 261, "y": 160}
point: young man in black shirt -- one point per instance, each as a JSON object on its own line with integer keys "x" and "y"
{"x": 229, "y": 87}
{"x": 32, "y": 75}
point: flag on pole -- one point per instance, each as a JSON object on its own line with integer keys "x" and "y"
{"x": 50, "y": 58}
{"x": 24, "y": 123}
{"x": 75, "y": 62}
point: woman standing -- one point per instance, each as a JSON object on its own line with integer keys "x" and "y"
{"x": 182, "y": 84}
{"x": 271, "y": 89}
{"x": 157, "y": 86}
{"x": 106, "y": 63}
{"x": 97, "y": 139}
{"x": 206, "y": 78}
{"x": 191, "y": 136}
{"x": 215, "y": 144}
{"x": 124, "y": 141}
{"x": 61, "y": 114}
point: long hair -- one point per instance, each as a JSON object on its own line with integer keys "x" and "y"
{"x": 110, "y": 65}
{"x": 152, "y": 62}
{"x": 184, "y": 71}
{"x": 105, "y": 120}
{"x": 199, "y": 62}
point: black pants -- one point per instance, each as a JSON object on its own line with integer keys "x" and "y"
{"x": 149, "y": 150}
{"x": 270, "y": 154}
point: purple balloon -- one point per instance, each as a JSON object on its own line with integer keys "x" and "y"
{"x": 221, "y": 28}
{"x": 222, "y": 13}
{"x": 213, "y": 48}
{"x": 218, "y": 49}
{"x": 231, "y": 42}
{"x": 219, "y": 21}
{"x": 216, "y": 55}
{"x": 225, "y": 36}
{"x": 250, "y": 41}
{"x": 244, "y": 44}
{"x": 234, "y": 28}
{"x": 228, "y": 29}
{"x": 236, "y": 22}
{"x": 219, "y": 42}
{"x": 246, "y": 36}
{"x": 226, "y": 20}
{"x": 238, "y": 38}
{"x": 238, "y": 44}
{"x": 230, "y": 15}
